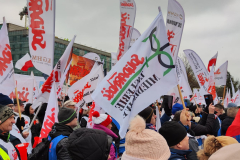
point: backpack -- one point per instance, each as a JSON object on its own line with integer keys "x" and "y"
{"x": 41, "y": 151}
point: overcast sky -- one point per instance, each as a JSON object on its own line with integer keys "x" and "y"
{"x": 211, "y": 26}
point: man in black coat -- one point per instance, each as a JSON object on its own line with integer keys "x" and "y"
{"x": 231, "y": 114}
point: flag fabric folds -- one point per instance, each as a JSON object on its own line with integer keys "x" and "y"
{"x": 24, "y": 63}
{"x": 212, "y": 61}
{"x": 221, "y": 74}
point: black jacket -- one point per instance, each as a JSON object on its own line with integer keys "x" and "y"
{"x": 225, "y": 124}
{"x": 83, "y": 122}
{"x": 89, "y": 144}
{"x": 62, "y": 146}
{"x": 204, "y": 129}
{"x": 179, "y": 154}
{"x": 216, "y": 126}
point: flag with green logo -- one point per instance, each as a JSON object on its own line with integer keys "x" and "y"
{"x": 141, "y": 76}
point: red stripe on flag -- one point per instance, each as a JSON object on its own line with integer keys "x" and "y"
{"x": 27, "y": 65}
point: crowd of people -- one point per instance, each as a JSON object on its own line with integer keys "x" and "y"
{"x": 196, "y": 132}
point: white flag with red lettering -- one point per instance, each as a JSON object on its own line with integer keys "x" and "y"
{"x": 199, "y": 69}
{"x": 51, "y": 113}
{"x": 42, "y": 33}
{"x": 141, "y": 76}
{"x": 211, "y": 86}
{"x": 35, "y": 87}
{"x": 24, "y": 63}
{"x": 81, "y": 91}
{"x": 212, "y": 61}
{"x": 7, "y": 82}
{"x": 221, "y": 74}
{"x": 236, "y": 98}
{"x": 174, "y": 26}
{"x": 55, "y": 76}
{"x": 127, "y": 12}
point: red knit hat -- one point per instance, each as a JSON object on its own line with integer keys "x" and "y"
{"x": 102, "y": 119}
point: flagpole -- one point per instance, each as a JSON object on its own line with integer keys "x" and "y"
{"x": 35, "y": 116}
{"x": 180, "y": 93}
{"x": 223, "y": 94}
{"x": 19, "y": 111}
{"x": 195, "y": 101}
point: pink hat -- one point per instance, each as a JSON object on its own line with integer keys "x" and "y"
{"x": 102, "y": 119}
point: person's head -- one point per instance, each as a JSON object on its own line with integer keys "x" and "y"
{"x": 87, "y": 142}
{"x": 67, "y": 116}
{"x": 175, "y": 135}
{"x": 16, "y": 106}
{"x": 176, "y": 107}
{"x": 219, "y": 109}
{"x": 70, "y": 104}
{"x": 102, "y": 119}
{"x": 59, "y": 102}
{"x": 148, "y": 115}
{"x": 232, "y": 112}
{"x": 28, "y": 110}
{"x": 139, "y": 140}
{"x": 212, "y": 144}
{"x": 86, "y": 110}
{"x": 5, "y": 100}
{"x": 231, "y": 105}
{"x": 6, "y": 118}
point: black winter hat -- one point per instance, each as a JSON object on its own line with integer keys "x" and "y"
{"x": 146, "y": 114}
{"x": 5, "y": 100}
{"x": 173, "y": 132}
{"x": 89, "y": 144}
{"x": 66, "y": 115}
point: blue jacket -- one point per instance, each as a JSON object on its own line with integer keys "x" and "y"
{"x": 179, "y": 154}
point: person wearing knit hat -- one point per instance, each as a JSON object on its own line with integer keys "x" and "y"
{"x": 212, "y": 144}
{"x": 150, "y": 118}
{"x": 69, "y": 104}
{"x": 177, "y": 139}
{"x": 144, "y": 144}
{"x": 67, "y": 120}
{"x": 5, "y": 100}
{"x": 231, "y": 105}
{"x": 104, "y": 122}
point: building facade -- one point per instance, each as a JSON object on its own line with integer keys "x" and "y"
{"x": 18, "y": 37}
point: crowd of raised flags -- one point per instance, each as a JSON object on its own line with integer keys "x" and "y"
{"x": 49, "y": 119}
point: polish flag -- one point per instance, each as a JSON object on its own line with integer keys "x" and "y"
{"x": 212, "y": 61}
{"x": 24, "y": 63}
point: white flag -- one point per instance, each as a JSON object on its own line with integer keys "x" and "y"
{"x": 198, "y": 68}
{"x": 174, "y": 26}
{"x": 92, "y": 56}
{"x": 212, "y": 61}
{"x": 236, "y": 98}
{"x": 141, "y": 76}
{"x": 55, "y": 76}
{"x": 221, "y": 74}
{"x": 7, "y": 82}
{"x": 51, "y": 114}
{"x": 211, "y": 86}
{"x": 113, "y": 58}
{"x": 81, "y": 91}
{"x": 135, "y": 35}
{"x": 233, "y": 89}
{"x": 24, "y": 63}
{"x": 227, "y": 98}
{"x": 42, "y": 33}
{"x": 127, "y": 12}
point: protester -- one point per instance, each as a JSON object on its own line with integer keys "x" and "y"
{"x": 36, "y": 127}
{"x": 231, "y": 114}
{"x": 70, "y": 104}
{"x": 231, "y": 152}
{"x": 212, "y": 144}
{"x": 41, "y": 113}
{"x": 60, "y": 131}
{"x": 217, "y": 126}
{"x": 84, "y": 119}
{"x": 177, "y": 140}
{"x": 144, "y": 143}
{"x": 150, "y": 118}
{"x": 6, "y": 122}
{"x": 5, "y": 100}
{"x": 59, "y": 103}
{"x": 89, "y": 144}
{"x": 3, "y": 153}
{"x": 103, "y": 122}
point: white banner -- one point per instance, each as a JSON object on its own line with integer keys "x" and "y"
{"x": 127, "y": 12}
{"x": 7, "y": 82}
{"x": 135, "y": 35}
{"x": 227, "y": 98}
{"x": 55, "y": 76}
{"x": 236, "y": 98}
{"x": 174, "y": 26}
{"x": 211, "y": 86}
{"x": 41, "y": 16}
{"x": 141, "y": 76}
{"x": 233, "y": 89}
{"x": 81, "y": 91}
{"x": 198, "y": 97}
{"x": 198, "y": 68}
{"x": 221, "y": 74}
{"x": 51, "y": 114}
{"x": 92, "y": 56}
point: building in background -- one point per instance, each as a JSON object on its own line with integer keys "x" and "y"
{"x": 18, "y": 37}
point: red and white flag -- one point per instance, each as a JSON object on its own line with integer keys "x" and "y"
{"x": 212, "y": 61}
{"x": 174, "y": 26}
{"x": 24, "y": 63}
{"x": 221, "y": 74}
{"x": 51, "y": 114}
{"x": 236, "y": 98}
{"x": 55, "y": 76}
{"x": 81, "y": 91}
{"x": 41, "y": 15}
{"x": 199, "y": 69}
{"x": 227, "y": 98}
{"x": 211, "y": 86}
{"x": 127, "y": 12}
{"x": 7, "y": 82}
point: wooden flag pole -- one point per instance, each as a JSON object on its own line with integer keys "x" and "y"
{"x": 180, "y": 93}
{"x": 195, "y": 101}
{"x": 223, "y": 94}
{"x": 19, "y": 110}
